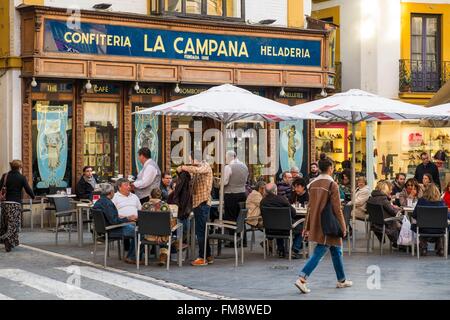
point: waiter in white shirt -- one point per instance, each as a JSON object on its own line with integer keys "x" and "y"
{"x": 148, "y": 178}
{"x": 127, "y": 203}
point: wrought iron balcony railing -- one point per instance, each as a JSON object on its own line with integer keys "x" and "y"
{"x": 423, "y": 75}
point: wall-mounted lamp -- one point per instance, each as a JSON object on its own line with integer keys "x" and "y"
{"x": 324, "y": 93}
{"x": 282, "y": 92}
{"x": 136, "y": 86}
{"x": 177, "y": 89}
{"x": 33, "y": 82}
{"x": 88, "y": 85}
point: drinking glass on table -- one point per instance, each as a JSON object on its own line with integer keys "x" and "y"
{"x": 409, "y": 202}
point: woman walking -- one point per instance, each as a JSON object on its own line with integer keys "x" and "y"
{"x": 322, "y": 190}
{"x": 14, "y": 182}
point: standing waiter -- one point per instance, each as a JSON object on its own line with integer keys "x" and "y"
{"x": 148, "y": 178}
{"x": 235, "y": 178}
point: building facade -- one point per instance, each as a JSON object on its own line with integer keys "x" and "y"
{"x": 80, "y": 74}
{"x": 398, "y": 49}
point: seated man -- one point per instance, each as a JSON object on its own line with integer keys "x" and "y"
{"x": 166, "y": 185}
{"x": 86, "y": 185}
{"x": 127, "y": 203}
{"x": 299, "y": 192}
{"x": 285, "y": 185}
{"x": 109, "y": 210}
{"x": 273, "y": 200}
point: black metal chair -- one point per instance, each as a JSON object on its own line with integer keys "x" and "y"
{"x": 64, "y": 213}
{"x": 348, "y": 220}
{"x": 376, "y": 218}
{"x": 278, "y": 225}
{"x": 157, "y": 223}
{"x": 237, "y": 237}
{"x": 102, "y": 233}
{"x": 432, "y": 218}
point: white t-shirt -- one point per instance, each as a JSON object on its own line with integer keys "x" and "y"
{"x": 126, "y": 206}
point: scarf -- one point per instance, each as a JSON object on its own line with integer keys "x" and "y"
{"x": 91, "y": 181}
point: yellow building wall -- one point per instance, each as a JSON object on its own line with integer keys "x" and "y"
{"x": 410, "y": 8}
{"x": 407, "y": 9}
{"x": 295, "y": 14}
{"x": 4, "y": 29}
{"x": 335, "y": 13}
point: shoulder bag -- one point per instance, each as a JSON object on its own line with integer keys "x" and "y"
{"x": 3, "y": 189}
{"x": 329, "y": 222}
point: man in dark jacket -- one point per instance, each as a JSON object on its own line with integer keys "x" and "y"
{"x": 274, "y": 200}
{"x": 427, "y": 167}
{"x": 284, "y": 187}
{"x": 399, "y": 183}
{"x": 86, "y": 184}
{"x": 109, "y": 210}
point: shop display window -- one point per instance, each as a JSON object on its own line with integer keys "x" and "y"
{"x": 52, "y": 145}
{"x": 101, "y": 139}
{"x": 401, "y": 143}
{"x": 332, "y": 139}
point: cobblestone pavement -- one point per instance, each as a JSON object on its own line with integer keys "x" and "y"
{"x": 400, "y": 275}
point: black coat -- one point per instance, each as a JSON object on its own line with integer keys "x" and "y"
{"x": 300, "y": 199}
{"x": 277, "y": 201}
{"x": 378, "y": 197}
{"x": 84, "y": 189}
{"x": 15, "y": 183}
{"x": 109, "y": 210}
{"x": 182, "y": 195}
{"x": 430, "y": 168}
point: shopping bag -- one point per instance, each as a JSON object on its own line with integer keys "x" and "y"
{"x": 406, "y": 237}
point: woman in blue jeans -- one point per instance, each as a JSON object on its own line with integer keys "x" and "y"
{"x": 322, "y": 190}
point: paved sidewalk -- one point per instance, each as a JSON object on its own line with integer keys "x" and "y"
{"x": 401, "y": 275}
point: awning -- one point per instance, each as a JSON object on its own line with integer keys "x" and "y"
{"x": 441, "y": 97}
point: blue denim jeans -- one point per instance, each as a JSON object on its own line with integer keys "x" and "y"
{"x": 319, "y": 253}
{"x": 128, "y": 231}
{"x": 296, "y": 243}
{"x": 201, "y": 216}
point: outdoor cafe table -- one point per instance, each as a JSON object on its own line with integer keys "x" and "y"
{"x": 80, "y": 207}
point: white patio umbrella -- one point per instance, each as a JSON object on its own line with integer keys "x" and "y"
{"x": 355, "y": 106}
{"x": 226, "y": 104}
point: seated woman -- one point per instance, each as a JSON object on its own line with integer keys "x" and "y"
{"x": 446, "y": 196}
{"x": 431, "y": 198}
{"x": 381, "y": 196}
{"x": 156, "y": 204}
{"x": 253, "y": 205}
{"x": 412, "y": 191}
{"x": 362, "y": 194}
{"x": 426, "y": 180}
{"x": 299, "y": 192}
{"x": 345, "y": 187}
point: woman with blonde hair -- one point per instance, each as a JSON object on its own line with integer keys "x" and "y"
{"x": 380, "y": 196}
{"x": 13, "y": 184}
{"x": 431, "y": 198}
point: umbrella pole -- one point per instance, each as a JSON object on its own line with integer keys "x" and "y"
{"x": 222, "y": 171}
{"x": 353, "y": 182}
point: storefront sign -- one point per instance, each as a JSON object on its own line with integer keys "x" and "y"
{"x": 293, "y": 95}
{"x": 104, "y": 88}
{"x": 187, "y": 91}
{"x": 148, "y": 91}
{"x": 117, "y": 40}
{"x": 53, "y": 87}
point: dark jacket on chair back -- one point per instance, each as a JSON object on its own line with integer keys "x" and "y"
{"x": 378, "y": 197}
{"x": 277, "y": 201}
{"x": 15, "y": 183}
{"x": 182, "y": 195}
